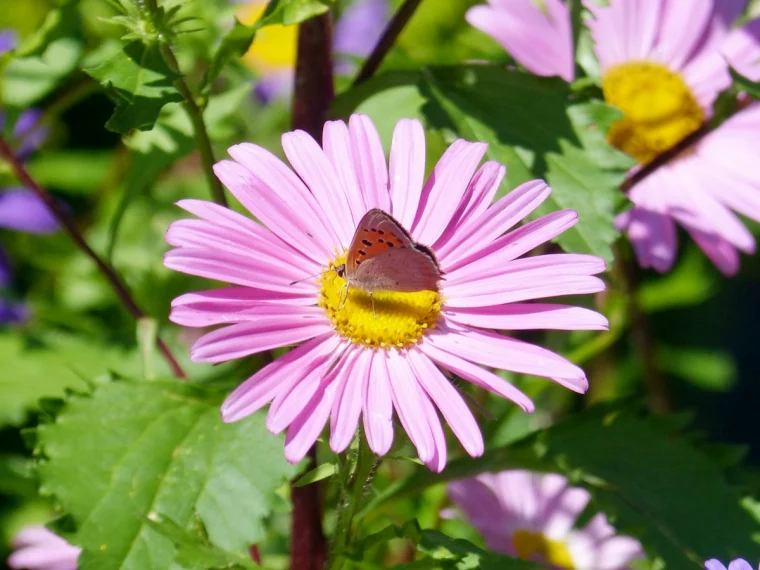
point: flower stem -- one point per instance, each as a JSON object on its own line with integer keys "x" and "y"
{"x": 312, "y": 96}
{"x": 355, "y": 482}
{"x": 386, "y": 41}
{"x": 67, "y": 224}
{"x": 658, "y": 394}
{"x": 151, "y": 11}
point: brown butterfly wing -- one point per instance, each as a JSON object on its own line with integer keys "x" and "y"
{"x": 383, "y": 257}
{"x": 377, "y": 232}
{"x": 406, "y": 269}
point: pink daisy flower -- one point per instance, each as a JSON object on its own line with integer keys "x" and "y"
{"x": 738, "y": 564}
{"x": 741, "y": 50}
{"x": 665, "y": 76}
{"x": 532, "y": 516}
{"x": 37, "y": 548}
{"x": 538, "y": 35}
{"x": 361, "y": 357}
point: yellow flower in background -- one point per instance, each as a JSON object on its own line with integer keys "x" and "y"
{"x": 274, "y": 48}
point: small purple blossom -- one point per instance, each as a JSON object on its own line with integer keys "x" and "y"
{"x": 8, "y": 40}
{"x": 738, "y": 564}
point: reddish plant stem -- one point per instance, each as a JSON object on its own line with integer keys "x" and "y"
{"x": 67, "y": 224}
{"x": 313, "y": 94}
{"x": 386, "y": 41}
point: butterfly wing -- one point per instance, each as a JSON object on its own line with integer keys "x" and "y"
{"x": 376, "y": 233}
{"x": 405, "y": 269}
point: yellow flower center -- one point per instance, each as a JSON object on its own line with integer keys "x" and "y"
{"x": 660, "y": 109}
{"x": 528, "y": 544}
{"x": 381, "y": 320}
{"x": 274, "y": 47}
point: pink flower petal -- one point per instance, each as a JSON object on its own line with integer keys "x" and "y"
{"x": 499, "y": 218}
{"x": 263, "y": 386}
{"x": 307, "y": 427}
{"x": 440, "y": 453}
{"x": 316, "y": 170}
{"x": 517, "y": 242}
{"x": 294, "y": 397}
{"x": 238, "y": 225}
{"x": 476, "y": 200}
{"x": 538, "y": 37}
{"x": 259, "y": 273}
{"x": 407, "y": 400}
{"x": 449, "y": 402}
{"x": 529, "y": 316}
{"x": 377, "y": 405}
{"x": 527, "y": 267}
{"x": 720, "y": 251}
{"x": 407, "y": 169}
{"x": 298, "y": 227}
{"x": 477, "y": 375}
{"x": 497, "y": 351}
{"x": 220, "y": 313}
{"x": 268, "y": 332}
{"x": 444, "y": 189}
{"x": 336, "y": 143}
{"x": 347, "y": 407}
{"x": 676, "y": 42}
{"x": 369, "y": 163}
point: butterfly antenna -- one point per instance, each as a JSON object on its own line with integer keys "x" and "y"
{"x": 306, "y": 278}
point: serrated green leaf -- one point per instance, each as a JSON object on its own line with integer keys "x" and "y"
{"x": 655, "y": 485}
{"x": 138, "y": 80}
{"x": 134, "y": 451}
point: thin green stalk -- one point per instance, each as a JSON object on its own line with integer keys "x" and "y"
{"x": 355, "y": 480}
{"x": 151, "y": 10}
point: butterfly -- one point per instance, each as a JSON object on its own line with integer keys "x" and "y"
{"x": 383, "y": 257}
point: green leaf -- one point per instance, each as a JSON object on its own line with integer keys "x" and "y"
{"x": 138, "y": 80}
{"x": 463, "y": 555}
{"x": 46, "y": 371}
{"x": 193, "y": 552}
{"x": 133, "y": 452}
{"x": 690, "y": 283}
{"x": 289, "y": 12}
{"x": 26, "y": 80}
{"x": 707, "y": 369}
{"x": 655, "y": 484}
{"x": 71, "y": 171}
{"x": 233, "y": 45}
{"x": 321, "y": 472}
{"x": 60, "y": 22}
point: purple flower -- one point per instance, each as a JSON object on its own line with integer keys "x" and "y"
{"x": 20, "y": 209}
{"x": 738, "y": 564}
{"x": 8, "y": 40}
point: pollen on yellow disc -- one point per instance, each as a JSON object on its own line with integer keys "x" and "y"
{"x": 384, "y": 320}
{"x": 274, "y": 47}
{"x": 660, "y": 109}
{"x": 527, "y": 544}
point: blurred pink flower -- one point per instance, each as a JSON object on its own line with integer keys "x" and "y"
{"x": 357, "y": 357}
{"x": 665, "y": 77}
{"x": 37, "y": 548}
{"x": 742, "y": 50}
{"x": 532, "y": 515}
{"x": 537, "y": 34}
